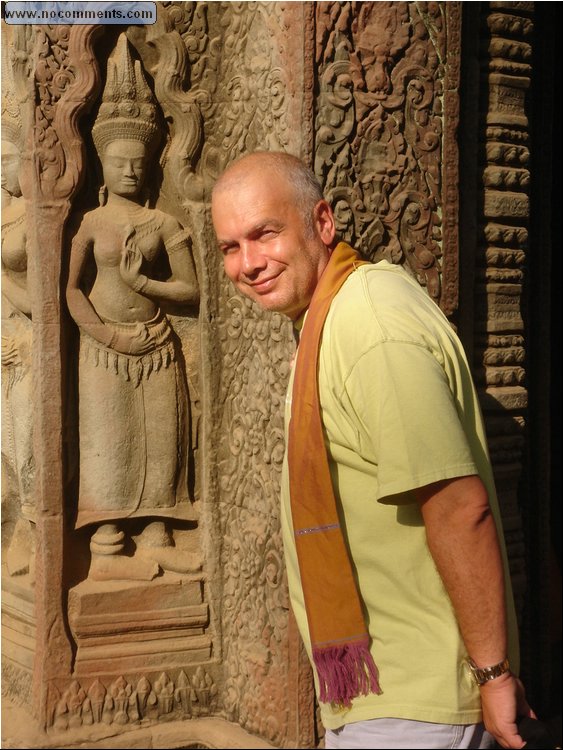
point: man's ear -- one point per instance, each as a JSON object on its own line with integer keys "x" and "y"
{"x": 324, "y": 222}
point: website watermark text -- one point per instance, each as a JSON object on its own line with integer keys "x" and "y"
{"x": 54, "y": 13}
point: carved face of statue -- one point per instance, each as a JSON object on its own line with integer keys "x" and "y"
{"x": 269, "y": 252}
{"x": 124, "y": 167}
{"x": 11, "y": 160}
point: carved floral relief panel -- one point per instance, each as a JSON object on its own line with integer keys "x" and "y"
{"x": 253, "y": 108}
{"x": 386, "y": 79}
{"x": 51, "y": 87}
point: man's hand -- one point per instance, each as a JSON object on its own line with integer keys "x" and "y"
{"x": 463, "y": 541}
{"x": 503, "y": 700}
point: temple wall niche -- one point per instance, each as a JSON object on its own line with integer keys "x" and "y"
{"x": 144, "y": 595}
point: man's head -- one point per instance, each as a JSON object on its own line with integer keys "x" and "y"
{"x": 274, "y": 229}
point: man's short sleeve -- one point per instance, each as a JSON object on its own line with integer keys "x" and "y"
{"x": 410, "y": 425}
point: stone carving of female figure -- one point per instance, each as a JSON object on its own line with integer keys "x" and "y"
{"x": 133, "y": 405}
{"x": 17, "y": 402}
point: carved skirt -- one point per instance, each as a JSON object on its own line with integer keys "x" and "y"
{"x": 133, "y": 430}
{"x": 18, "y": 461}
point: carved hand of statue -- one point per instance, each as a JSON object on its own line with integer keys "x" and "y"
{"x": 131, "y": 262}
{"x": 138, "y": 342}
{"x": 10, "y": 352}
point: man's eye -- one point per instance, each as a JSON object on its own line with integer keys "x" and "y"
{"x": 267, "y": 234}
{"x": 228, "y": 249}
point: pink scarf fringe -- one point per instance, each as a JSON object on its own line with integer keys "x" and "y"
{"x": 345, "y": 672}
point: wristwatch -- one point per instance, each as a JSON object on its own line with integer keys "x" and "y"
{"x": 484, "y": 674}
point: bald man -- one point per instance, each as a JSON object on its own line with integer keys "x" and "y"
{"x": 396, "y": 563}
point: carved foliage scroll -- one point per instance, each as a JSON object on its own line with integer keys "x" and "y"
{"x": 255, "y": 603}
{"x": 248, "y": 109}
{"x": 63, "y": 87}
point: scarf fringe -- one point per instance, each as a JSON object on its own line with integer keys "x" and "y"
{"x": 345, "y": 672}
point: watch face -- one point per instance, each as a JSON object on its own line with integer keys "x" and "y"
{"x": 484, "y": 674}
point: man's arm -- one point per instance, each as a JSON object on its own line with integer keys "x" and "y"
{"x": 463, "y": 541}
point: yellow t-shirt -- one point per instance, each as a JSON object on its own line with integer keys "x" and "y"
{"x": 400, "y": 411}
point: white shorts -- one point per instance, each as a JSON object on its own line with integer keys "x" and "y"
{"x": 403, "y": 733}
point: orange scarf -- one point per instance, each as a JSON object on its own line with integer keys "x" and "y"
{"x": 339, "y": 637}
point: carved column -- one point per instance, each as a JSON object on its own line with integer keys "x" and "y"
{"x": 65, "y": 75}
{"x": 512, "y": 341}
{"x": 502, "y": 235}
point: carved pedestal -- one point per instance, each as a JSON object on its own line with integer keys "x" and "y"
{"x": 18, "y": 634}
{"x": 124, "y": 627}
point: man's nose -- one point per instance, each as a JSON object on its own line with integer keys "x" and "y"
{"x": 129, "y": 169}
{"x": 252, "y": 258}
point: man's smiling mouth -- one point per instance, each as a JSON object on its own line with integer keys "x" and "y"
{"x": 262, "y": 285}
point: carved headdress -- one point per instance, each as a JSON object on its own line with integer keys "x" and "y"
{"x": 12, "y": 120}
{"x": 12, "y": 123}
{"x": 128, "y": 109}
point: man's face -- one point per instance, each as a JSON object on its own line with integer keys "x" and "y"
{"x": 269, "y": 253}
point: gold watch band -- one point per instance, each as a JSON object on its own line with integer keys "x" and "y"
{"x": 482, "y": 675}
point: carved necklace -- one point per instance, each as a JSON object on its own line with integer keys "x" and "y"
{"x": 144, "y": 220}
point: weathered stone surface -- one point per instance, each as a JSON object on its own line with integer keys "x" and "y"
{"x": 144, "y": 594}
{"x": 201, "y": 733}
